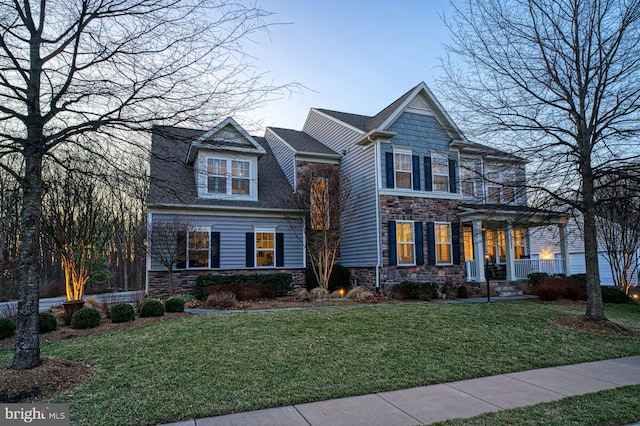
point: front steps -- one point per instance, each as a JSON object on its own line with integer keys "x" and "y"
{"x": 503, "y": 289}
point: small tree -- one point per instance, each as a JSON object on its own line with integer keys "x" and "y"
{"x": 619, "y": 229}
{"x": 323, "y": 195}
{"x": 78, "y": 227}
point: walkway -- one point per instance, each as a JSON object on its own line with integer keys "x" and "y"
{"x": 430, "y": 404}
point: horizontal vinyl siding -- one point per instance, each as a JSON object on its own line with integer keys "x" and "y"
{"x": 232, "y": 231}
{"x": 284, "y": 155}
{"x": 359, "y": 237}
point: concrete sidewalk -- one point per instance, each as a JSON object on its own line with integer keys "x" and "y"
{"x": 430, "y": 404}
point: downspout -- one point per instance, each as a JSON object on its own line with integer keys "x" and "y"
{"x": 377, "y": 200}
{"x": 148, "y": 260}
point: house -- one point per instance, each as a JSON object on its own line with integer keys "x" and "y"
{"x": 427, "y": 204}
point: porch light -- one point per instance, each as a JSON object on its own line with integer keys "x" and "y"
{"x": 546, "y": 254}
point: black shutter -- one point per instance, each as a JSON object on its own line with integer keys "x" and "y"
{"x": 455, "y": 242}
{"x": 390, "y": 172}
{"x": 431, "y": 243}
{"x": 181, "y": 250}
{"x": 393, "y": 249}
{"x": 279, "y": 249}
{"x": 419, "y": 243}
{"x": 453, "y": 174}
{"x": 249, "y": 251}
{"x": 428, "y": 178}
{"x": 215, "y": 249}
{"x": 416, "y": 172}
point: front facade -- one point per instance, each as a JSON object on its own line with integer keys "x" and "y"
{"x": 425, "y": 203}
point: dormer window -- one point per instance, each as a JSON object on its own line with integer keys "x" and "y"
{"x": 220, "y": 181}
{"x": 216, "y": 176}
{"x": 240, "y": 177}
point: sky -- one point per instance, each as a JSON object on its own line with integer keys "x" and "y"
{"x": 354, "y": 56}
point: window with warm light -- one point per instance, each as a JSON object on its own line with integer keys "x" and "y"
{"x": 440, "y": 170}
{"x": 240, "y": 176}
{"x": 228, "y": 177}
{"x": 468, "y": 243}
{"x": 403, "y": 170}
{"x": 405, "y": 241}
{"x": 519, "y": 243}
{"x": 265, "y": 249}
{"x": 443, "y": 243}
{"x": 319, "y": 193}
{"x": 198, "y": 249}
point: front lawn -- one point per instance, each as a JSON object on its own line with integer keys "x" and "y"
{"x": 208, "y": 365}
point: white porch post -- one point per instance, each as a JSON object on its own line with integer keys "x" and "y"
{"x": 564, "y": 248}
{"x": 511, "y": 266}
{"x": 478, "y": 250}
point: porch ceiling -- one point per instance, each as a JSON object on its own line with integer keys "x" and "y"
{"x": 497, "y": 215}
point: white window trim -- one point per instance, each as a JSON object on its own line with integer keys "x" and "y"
{"x": 395, "y": 171}
{"x": 202, "y": 176}
{"x": 413, "y": 242}
{"x": 203, "y": 230}
{"x": 435, "y": 155}
{"x": 450, "y": 243}
{"x": 255, "y": 247}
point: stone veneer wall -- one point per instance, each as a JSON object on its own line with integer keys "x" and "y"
{"x": 184, "y": 282}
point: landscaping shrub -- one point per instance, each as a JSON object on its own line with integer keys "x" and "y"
{"x": 86, "y": 318}
{"x": 122, "y": 312}
{"x": 579, "y": 279}
{"x": 152, "y": 308}
{"x": 614, "y": 295}
{"x": 244, "y": 290}
{"x": 7, "y": 327}
{"x": 463, "y": 292}
{"x": 270, "y": 285}
{"x": 414, "y": 290}
{"x": 301, "y": 294}
{"x": 559, "y": 288}
{"x": 536, "y": 277}
{"x": 318, "y": 293}
{"x": 47, "y": 322}
{"x": 221, "y": 300}
{"x": 174, "y": 304}
{"x": 186, "y": 298}
{"x": 340, "y": 278}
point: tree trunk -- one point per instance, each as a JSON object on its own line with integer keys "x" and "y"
{"x": 27, "y": 343}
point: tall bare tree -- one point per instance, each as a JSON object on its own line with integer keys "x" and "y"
{"x": 559, "y": 82}
{"x": 88, "y": 73}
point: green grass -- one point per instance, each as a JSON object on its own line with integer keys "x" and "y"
{"x": 208, "y": 365}
{"x": 606, "y": 408}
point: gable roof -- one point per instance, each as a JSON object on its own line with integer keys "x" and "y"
{"x": 302, "y": 142}
{"x": 228, "y": 135}
{"x": 173, "y": 183}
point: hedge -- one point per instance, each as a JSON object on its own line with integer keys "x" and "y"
{"x": 279, "y": 284}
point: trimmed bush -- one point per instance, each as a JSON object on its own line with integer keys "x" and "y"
{"x": 47, "y": 322}
{"x": 559, "y": 288}
{"x": 152, "y": 308}
{"x": 415, "y": 291}
{"x": 614, "y": 295}
{"x": 86, "y": 318}
{"x": 7, "y": 327}
{"x": 270, "y": 285}
{"x": 536, "y": 278}
{"x": 463, "y": 292}
{"x": 122, "y": 312}
{"x": 186, "y": 298}
{"x": 174, "y": 304}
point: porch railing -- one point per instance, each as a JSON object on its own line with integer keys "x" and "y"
{"x": 523, "y": 267}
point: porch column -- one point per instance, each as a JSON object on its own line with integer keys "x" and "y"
{"x": 511, "y": 265}
{"x": 478, "y": 250}
{"x": 564, "y": 248}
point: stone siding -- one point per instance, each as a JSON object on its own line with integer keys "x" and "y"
{"x": 184, "y": 282}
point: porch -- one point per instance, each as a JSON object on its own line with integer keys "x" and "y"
{"x": 497, "y": 239}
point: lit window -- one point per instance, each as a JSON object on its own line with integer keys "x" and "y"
{"x": 216, "y": 176}
{"x": 265, "y": 249}
{"x": 319, "y": 203}
{"x": 198, "y": 249}
{"x": 240, "y": 177}
{"x": 406, "y": 244}
{"x": 440, "y": 170}
{"x": 518, "y": 243}
{"x": 402, "y": 167}
{"x": 443, "y": 243}
{"x": 468, "y": 243}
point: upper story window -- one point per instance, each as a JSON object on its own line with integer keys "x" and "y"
{"x": 227, "y": 177}
{"x": 440, "y": 170}
{"x": 501, "y": 186}
{"x": 240, "y": 176}
{"x": 403, "y": 170}
{"x": 468, "y": 180}
{"x": 319, "y": 194}
{"x": 216, "y": 176}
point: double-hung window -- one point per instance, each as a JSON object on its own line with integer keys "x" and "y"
{"x": 198, "y": 249}
{"x": 440, "y": 169}
{"x": 216, "y": 176}
{"x": 319, "y": 194}
{"x": 227, "y": 177}
{"x": 468, "y": 180}
{"x": 443, "y": 243}
{"x": 240, "y": 176}
{"x": 403, "y": 170}
{"x": 405, "y": 240}
{"x": 265, "y": 245}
